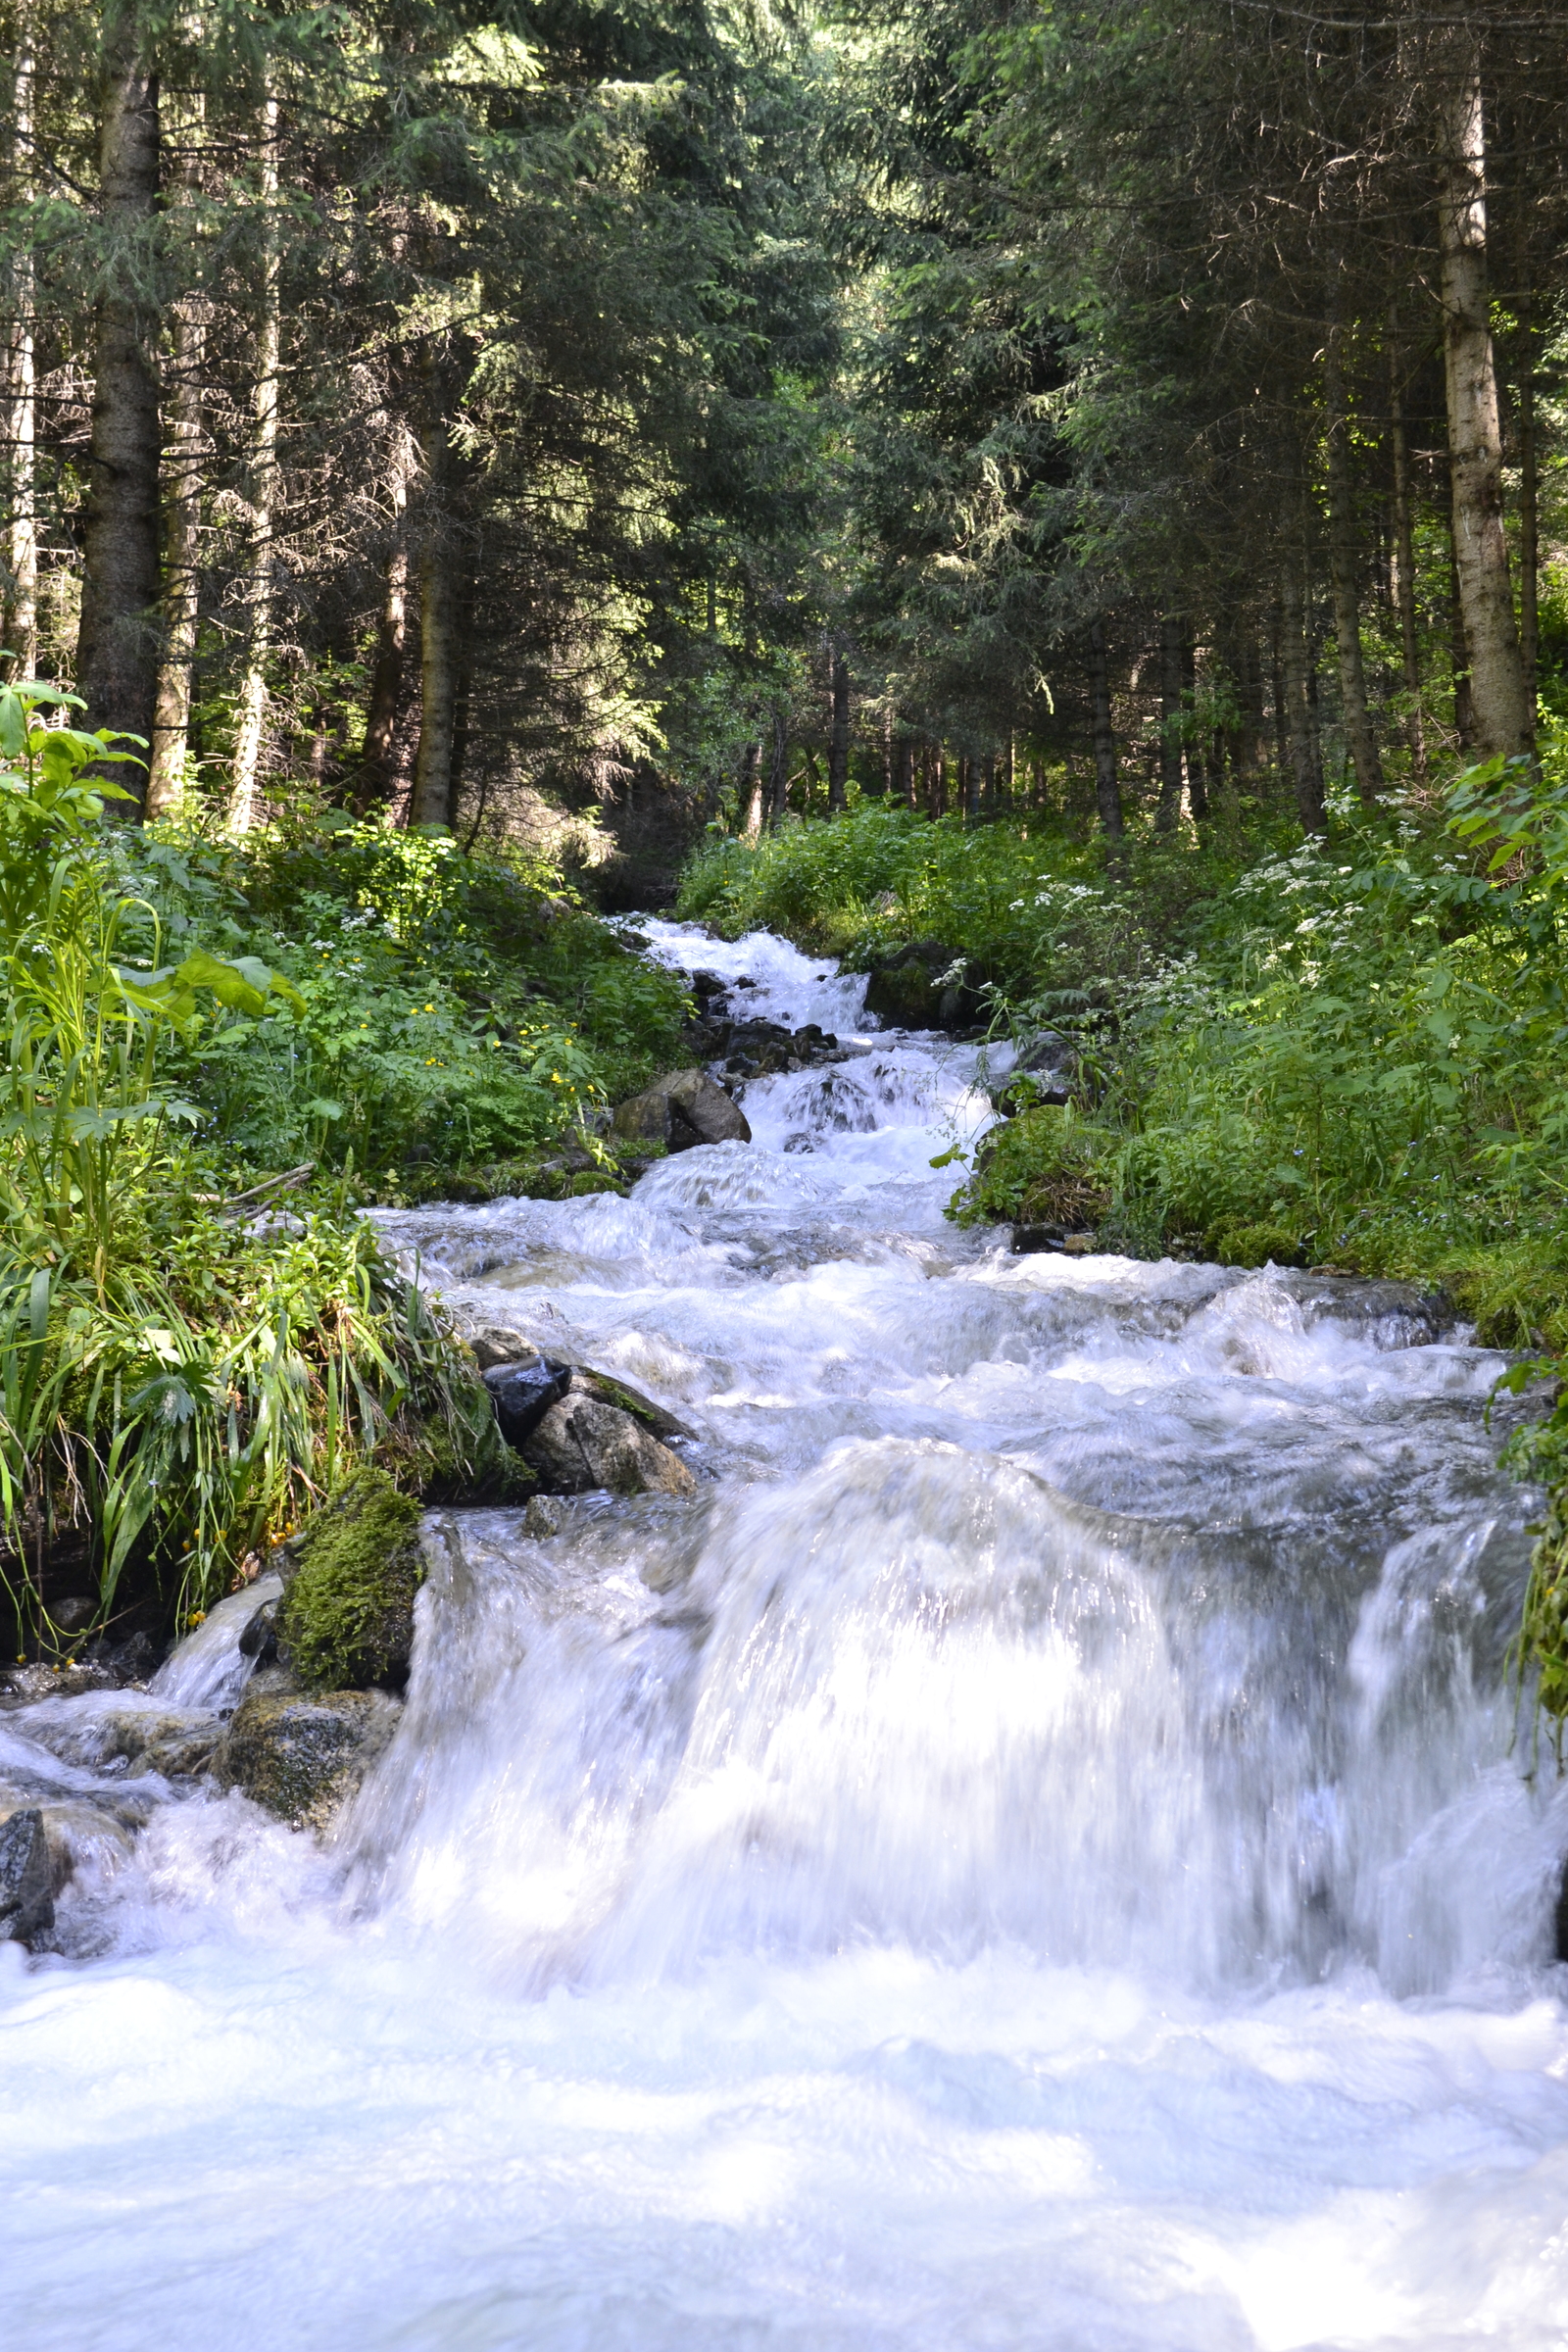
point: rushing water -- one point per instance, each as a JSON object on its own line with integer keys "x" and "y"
{"x": 1028, "y": 1860}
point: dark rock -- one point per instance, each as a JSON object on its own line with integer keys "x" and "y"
{"x": 302, "y": 1757}
{"x": 1029, "y": 1240}
{"x": 1389, "y": 1315}
{"x": 26, "y": 1878}
{"x": 75, "y": 1614}
{"x": 522, "y": 1393}
{"x": 682, "y": 1109}
{"x": 259, "y": 1637}
{"x": 582, "y": 1444}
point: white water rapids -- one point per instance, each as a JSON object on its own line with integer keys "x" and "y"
{"x": 1028, "y": 1861}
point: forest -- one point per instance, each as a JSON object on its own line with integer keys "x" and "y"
{"x": 1077, "y": 494}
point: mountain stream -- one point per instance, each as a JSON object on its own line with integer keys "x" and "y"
{"x": 1030, "y": 1859}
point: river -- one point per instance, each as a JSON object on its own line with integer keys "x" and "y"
{"x": 1029, "y": 1860}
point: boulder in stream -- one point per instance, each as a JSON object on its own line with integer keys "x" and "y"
{"x": 26, "y": 1878}
{"x": 303, "y": 1758}
{"x": 581, "y": 1444}
{"x": 680, "y": 1110}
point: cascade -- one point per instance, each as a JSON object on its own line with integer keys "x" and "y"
{"x": 1032, "y": 1856}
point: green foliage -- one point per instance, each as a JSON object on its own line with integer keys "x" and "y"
{"x": 347, "y": 1616}
{"x": 453, "y": 1010}
{"x": 179, "y": 1377}
{"x": 1045, "y": 1167}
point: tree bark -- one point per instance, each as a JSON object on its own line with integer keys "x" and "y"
{"x": 1343, "y": 570}
{"x": 838, "y": 755}
{"x": 166, "y": 775}
{"x": 751, "y": 794}
{"x": 1529, "y": 514}
{"x": 904, "y": 785}
{"x": 1404, "y": 558}
{"x": 1168, "y": 805}
{"x": 1305, "y": 767}
{"x": 1474, "y": 439}
{"x": 375, "y": 779}
{"x": 778, "y": 769}
{"x": 116, "y": 644}
{"x": 1107, "y": 788}
{"x": 1464, "y": 713}
{"x": 18, "y": 625}
{"x": 244, "y": 797}
{"x": 1192, "y": 748}
{"x": 431, "y": 802}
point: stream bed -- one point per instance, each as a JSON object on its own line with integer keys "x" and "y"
{"x": 1030, "y": 1859}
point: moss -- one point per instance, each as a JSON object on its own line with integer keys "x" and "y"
{"x": 1255, "y": 1246}
{"x": 346, "y": 1620}
{"x": 452, "y": 1451}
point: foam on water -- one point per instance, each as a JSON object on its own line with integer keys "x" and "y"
{"x": 1030, "y": 1859}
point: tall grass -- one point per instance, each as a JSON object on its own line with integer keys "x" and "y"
{"x": 178, "y": 1382}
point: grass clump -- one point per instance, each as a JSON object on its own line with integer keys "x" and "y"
{"x": 346, "y": 1620}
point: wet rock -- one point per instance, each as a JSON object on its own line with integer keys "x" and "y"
{"x": 522, "y": 1393}
{"x": 24, "y": 1686}
{"x": 1387, "y": 1314}
{"x": 26, "y": 1878}
{"x": 543, "y": 1519}
{"x": 581, "y": 1444}
{"x": 303, "y": 1758}
{"x": 180, "y": 1755}
{"x": 1036, "y": 1241}
{"x": 680, "y": 1110}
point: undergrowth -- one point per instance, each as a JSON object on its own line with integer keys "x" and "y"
{"x": 215, "y": 1054}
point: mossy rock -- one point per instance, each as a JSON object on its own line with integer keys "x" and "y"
{"x": 303, "y": 1758}
{"x": 1256, "y": 1245}
{"x": 346, "y": 1620}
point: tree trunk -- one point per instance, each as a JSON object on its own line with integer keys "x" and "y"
{"x": 749, "y": 799}
{"x": 1168, "y": 805}
{"x": 837, "y": 754}
{"x": 376, "y": 779}
{"x": 1107, "y": 790}
{"x": 252, "y": 709}
{"x": 1474, "y": 439}
{"x": 778, "y": 770}
{"x": 116, "y": 644}
{"x": 165, "y": 776}
{"x": 1529, "y": 514}
{"x": 18, "y": 625}
{"x": 1191, "y": 749}
{"x": 1293, "y": 666}
{"x": 1404, "y": 558}
{"x": 971, "y": 775}
{"x": 904, "y": 788}
{"x": 431, "y": 802}
{"x": 1464, "y": 712}
{"x": 1343, "y": 572}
